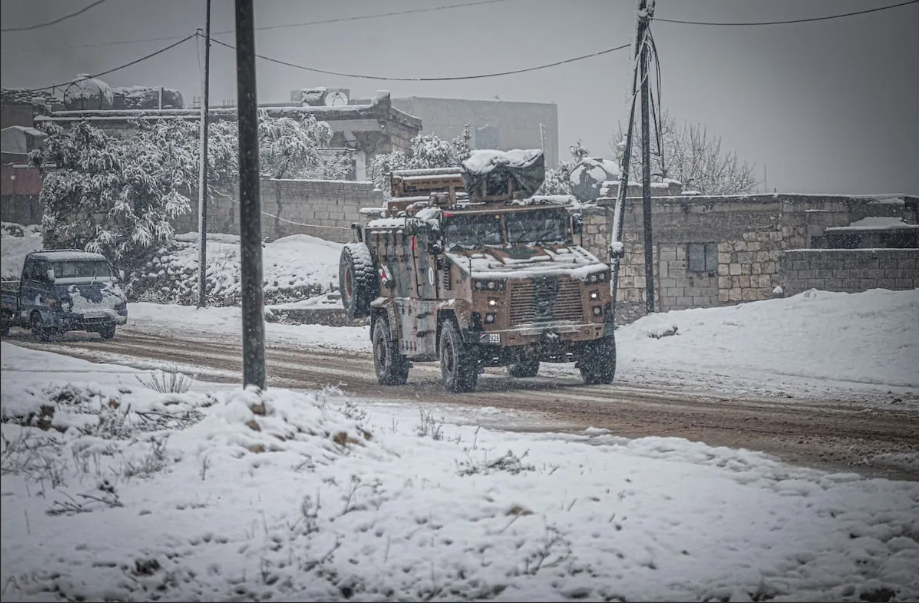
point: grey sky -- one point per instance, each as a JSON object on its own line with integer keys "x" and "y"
{"x": 829, "y": 107}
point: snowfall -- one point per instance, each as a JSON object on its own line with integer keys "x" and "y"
{"x": 112, "y": 490}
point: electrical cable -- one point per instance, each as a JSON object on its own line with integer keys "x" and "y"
{"x": 55, "y": 21}
{"x": 790, "y": 21}
{"x": 429, "y": 79}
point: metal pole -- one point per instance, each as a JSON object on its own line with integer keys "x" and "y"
{"x": 202, "y": 176}
{"x": 646, "y": 163}
{"x": 250, "y": 225}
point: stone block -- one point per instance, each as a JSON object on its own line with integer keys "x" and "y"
{"x": 769, "y": 268}
{"x": 867, "y": 283}
{"x": 724, "y": 282}
{"x": 724, "y": 257}
{"x": 744, "y": 281}
{"x": 683, "y": 302}
{"x": 907, "y": 283}
{"x": 757, "y": 268}
{"x": 748, "y": 294}
{"x": 746, "y": 269}
{"x": 735, "y": 295}
{"x": 723, "y": 296}
{"x": 749, "y": 236}
{"x": 744, "y": 257}
{"x": 724, "y": 247}
{"x": 908, "y": 263}
{"x": 887, "y": 283}
{"x": 753, "y": 246}
{"x": 740, "y": 245}
{"x": 724, "y": 269}
{"x": 735, "y": 269}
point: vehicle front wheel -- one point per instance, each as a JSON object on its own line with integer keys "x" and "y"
{"x": 524, "y": 368}
{"x": 107, "y": 331}
{"x": 598, "y": 362}
{"x": 457, "y": 364}
{"x": 391, "y": 366}
{"x": 39, "y": 331}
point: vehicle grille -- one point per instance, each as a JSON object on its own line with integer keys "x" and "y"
{"x": 545, "y": 299}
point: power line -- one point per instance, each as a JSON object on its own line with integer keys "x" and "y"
{"x": 430, "y": 79}
{"x": 55, "y": 21}
{"x": 268, "y": 27}
{"x": 126, "y": 65}
{"x": 790, "y": 21}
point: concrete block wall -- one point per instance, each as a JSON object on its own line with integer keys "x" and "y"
{"x": 320, "y": 208}
{"x": 849, "y": 270}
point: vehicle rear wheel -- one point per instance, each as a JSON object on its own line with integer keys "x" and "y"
{"x": 391, "y": 366}
{"x": 107, "y": 331}
{"x": 524, "y": 368}
{"x": 357, "y": 280}
{"x": 598, "y": 362}
{"x": 39, "y": 331}
{"x": 457, "y": 364}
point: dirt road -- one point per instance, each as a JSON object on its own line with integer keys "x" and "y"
{"x": 878, "y": 441}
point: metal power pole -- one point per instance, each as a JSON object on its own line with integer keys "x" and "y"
{"x": 250, "y": 224}
{"x": 643, "y": 22}
{"x": 202, "y": 176}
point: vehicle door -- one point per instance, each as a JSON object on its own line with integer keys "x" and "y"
{"x": 427, "y": 254}
{"x": 33, "y": 289}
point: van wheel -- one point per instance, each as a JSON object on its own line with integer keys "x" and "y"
{"x": 39, "y": 331}
{"x": 107, "y": 331}
{"x": 525, "y": 368}
{"x": 598, "y": 361}
{"x": 357, "y": 280}
{"x": 391, "y": 366}
{"x": 457, "y": 364}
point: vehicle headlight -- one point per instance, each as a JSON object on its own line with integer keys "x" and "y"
{"x": 492, "y": 301}
{"x": 595, "y": 294}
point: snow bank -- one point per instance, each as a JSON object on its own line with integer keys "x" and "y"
{"x": 220, "y": 494}
{"x": 17, "y": 242}
{"x": 870, "y": 337}
{"x": 294, "y": 267}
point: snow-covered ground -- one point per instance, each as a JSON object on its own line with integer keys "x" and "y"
{"x": 816, "y": 344}
{"x": 219, "y": 494}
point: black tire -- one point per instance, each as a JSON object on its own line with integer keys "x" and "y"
{"x": 523, "y": 369}
{"x": 598, "y": 362}
{"x": 391, "y": 366}
{"x": 39, "y": 331}
{"x": 108, "y": 331}
{"x": 357, "y": 280}
{"x": 457, "y": 364}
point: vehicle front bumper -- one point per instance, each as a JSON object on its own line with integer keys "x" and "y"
{"x": 88, "y": 321}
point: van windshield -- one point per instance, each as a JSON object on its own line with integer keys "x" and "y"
{"x": 82, "y": 270}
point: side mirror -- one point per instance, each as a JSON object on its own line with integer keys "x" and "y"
{"x": 435, "y": 248}
{"x": 577, "y": 224}
{"x": 49, "y": 275}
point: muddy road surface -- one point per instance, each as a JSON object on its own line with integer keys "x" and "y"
{"x": 871, "y": 440}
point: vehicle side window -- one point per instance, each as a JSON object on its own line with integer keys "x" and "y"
{"x": 30, "y": 273}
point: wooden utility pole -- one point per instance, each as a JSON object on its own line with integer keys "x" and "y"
{"x": 250, "y": 217}
{"x": 644, "y": 18}
{"x": 202, "y": 175}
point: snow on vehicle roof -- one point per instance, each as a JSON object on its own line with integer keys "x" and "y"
{"x": 484, "y": 161}
{"x": 426, "y": 172}
{"x": 66, "y": 255}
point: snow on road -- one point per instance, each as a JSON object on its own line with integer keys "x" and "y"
{"x": 816, "y": 343}
{"x": 199, "y": 496}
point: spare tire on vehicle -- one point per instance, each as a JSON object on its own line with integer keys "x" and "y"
{"x": 357, "y": 280}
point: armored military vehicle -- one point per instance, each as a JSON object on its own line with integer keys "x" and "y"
{"x": 468, "y": 267}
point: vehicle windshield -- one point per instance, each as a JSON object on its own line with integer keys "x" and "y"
{"x": 472, "y": 231}
{"x": 538, "y": 226}
{"x": 82, "y": 270}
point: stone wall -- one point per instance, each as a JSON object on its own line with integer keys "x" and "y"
{"x": 849, "y": 270}
{"x": 746, "y": 238}
{"x": 320, "y": 208}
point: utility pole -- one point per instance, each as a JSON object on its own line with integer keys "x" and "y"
{"x": 202, "y": 176}
{"x": 644, "y": 19}
{"x": 250, "y": 219}
{"x": 617, "y": 250}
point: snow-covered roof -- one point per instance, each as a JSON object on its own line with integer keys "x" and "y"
{"x": 66, "y": 255}
{"x": 427, "y": 172}
{"x": 484, "y": 161}
{"x": 574, "y": 262}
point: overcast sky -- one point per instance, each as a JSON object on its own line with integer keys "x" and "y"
{"x": 827, "y": 107}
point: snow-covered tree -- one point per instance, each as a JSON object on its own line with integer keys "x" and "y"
{"x": 428, "y": 151}
{"x": 558, "y": 180}
{"x": 117, "y": 195}
{"x": 689, "y": 154}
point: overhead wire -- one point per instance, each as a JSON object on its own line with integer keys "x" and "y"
{"x": 124, "y": 66}
{"x": 789, "y": 21}
{"x": 430, "y": 79}
{"x": 268, "y": 27}
{"x": 53, "y": 22}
